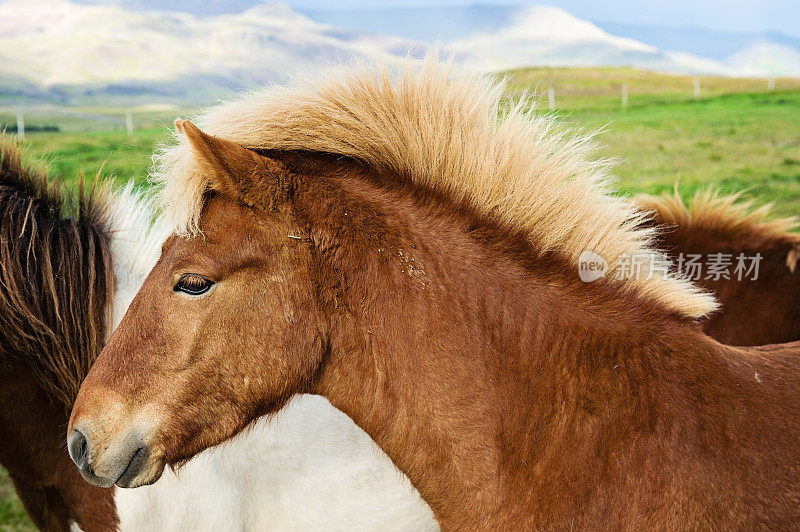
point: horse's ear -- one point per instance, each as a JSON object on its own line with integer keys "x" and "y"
{"x": 233, "y": 170}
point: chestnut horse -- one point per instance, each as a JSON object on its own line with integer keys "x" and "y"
{"x": 758, "y": 308}
{"x": 50, "y": 488}
{"x": 384, "y": 241}
{"x": 69, "y": 267}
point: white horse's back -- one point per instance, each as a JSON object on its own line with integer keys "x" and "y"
{"x": 308, "y": 468}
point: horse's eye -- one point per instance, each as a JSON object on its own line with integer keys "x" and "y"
{"x": 193, "y": 284}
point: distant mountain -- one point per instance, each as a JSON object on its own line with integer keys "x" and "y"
{"x": 766, "y": 58}
{"x": 482, "y": 33}
{"x": 685, "y": 50}
{"x": 498, "y": 37}
{"x": 746, "y": 53}
{"x": 56, "y": 44}
{"x": 541, "y": 35}
{"x": 200, "y": 51}
{"x": 713, "y": 44}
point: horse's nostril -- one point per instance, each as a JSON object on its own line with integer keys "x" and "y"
{"x": 78, "y": 448}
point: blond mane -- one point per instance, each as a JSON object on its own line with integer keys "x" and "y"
{"x": 708, "y": 210}
{"x": 442, "y": 130}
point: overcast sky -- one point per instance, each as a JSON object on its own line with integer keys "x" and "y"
{"x": 750, "y": 15}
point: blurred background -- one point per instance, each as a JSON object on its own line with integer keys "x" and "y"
{"x": 703, "y": 92}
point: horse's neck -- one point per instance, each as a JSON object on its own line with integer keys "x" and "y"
{"x": 474, "y": 371}
{"x": 511, "y": 397}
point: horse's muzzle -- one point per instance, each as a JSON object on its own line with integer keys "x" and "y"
{"x": 127, "y": 463}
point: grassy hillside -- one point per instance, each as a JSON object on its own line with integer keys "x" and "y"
{"x": 747, "y": 142}
{"x": 738, "y": 136}
{"x": 110, "y": 153}
{"x": 601, "y": 87}
{"x": 739, "y": 139}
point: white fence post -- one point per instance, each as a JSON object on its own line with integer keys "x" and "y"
{"x": 771, "y": 84}
{"x": 129, "y": 122}
{"x": 551, "y": 98}
{"x": 20, "y": 125}
{"x": 624, "y": 95}
{"x": 696, "y": 88}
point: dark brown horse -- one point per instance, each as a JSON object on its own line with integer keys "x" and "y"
{"x": 56, "y": 285}
{"x": 759, "y": 300}
{"x": 417, "y": 263}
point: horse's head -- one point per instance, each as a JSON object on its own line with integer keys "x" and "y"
{"x": 233, "y": 305}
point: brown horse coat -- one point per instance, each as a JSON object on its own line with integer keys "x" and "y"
{"x": 753, "y": 311}
{"x": 449, "y": 324}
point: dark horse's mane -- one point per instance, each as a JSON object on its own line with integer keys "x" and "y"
{"x": 56, "y": 274}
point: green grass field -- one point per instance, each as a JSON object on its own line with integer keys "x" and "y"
{"x": 12, "y": 516}
{"x": 747, "y": 142}
{"x": 738, "y": 137}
